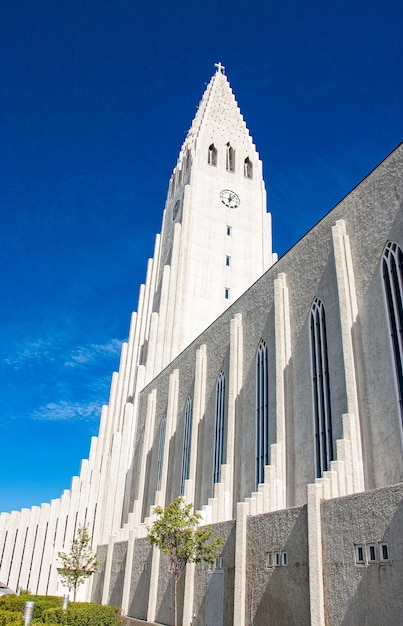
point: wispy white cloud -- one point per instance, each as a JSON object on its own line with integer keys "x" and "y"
{"x": 53, "y": 351}
{"x": 63, "y": 411}
{"x": 86, "y": 354}
{"x": 29, "y": 352}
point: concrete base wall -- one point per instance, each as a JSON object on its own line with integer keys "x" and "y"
{"x": 368, "y": 593}
{"x": 277, "y": 569}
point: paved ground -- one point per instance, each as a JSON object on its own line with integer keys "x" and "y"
{"x": 131, "y": 621}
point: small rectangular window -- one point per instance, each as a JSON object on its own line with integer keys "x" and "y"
{"x": 276, "y": 559}
{"x": 145, "y": 565}
{"x": 229, "y": 230}
{"x": 226, "y": 293}
{"x": 227, "y": 261}
{"x": 360, "y": 555}
{"x": 383, "y": 552}
{"x": 269, "y": 559}
{"x": 371, "y": 553}
{"x": 284, "y": 558}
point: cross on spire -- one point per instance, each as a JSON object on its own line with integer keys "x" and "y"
{"x": 220, "y": 67}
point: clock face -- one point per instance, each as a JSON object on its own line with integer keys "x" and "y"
{"x": 176, "y": 209}
{"x": 229, "y": 198}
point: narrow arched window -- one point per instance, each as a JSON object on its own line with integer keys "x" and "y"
{"x": 212, "y": 155}
{"x": 161, "y": 444}
{"x": 320, "y": 389}
{"x": 248, "y": 168}
{"x": 219, "y": 428}
{"x": 187, "y": 435}
{"x": 262, "y": 412}
{"x": 392, "y": 273}
{"x": 230, "y": 158}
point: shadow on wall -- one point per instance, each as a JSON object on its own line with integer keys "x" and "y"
{"x": 278, "y": 591}
{"x": 367, "y": 593}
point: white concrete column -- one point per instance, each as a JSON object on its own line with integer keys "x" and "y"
{"x": 168, "y": 350}
{"x": 39, "y": 546}
{"x": 11, "y": 526}
{"x": 120, "y": 400}
{"x": 316, "y": 595}
{"x": 235, "y": 380}
{"x": 188, "y": 596}
{"x": 283, "y": 355}
{"x": 171, "y": 417}
{"x": 148, "y": 435}
{"x": 153, "y": 588}
{"x": 110, "y": 486}
{"x": 108, "y": 570}
{"x": 49, "y": 556}
{"x": 199, "y": 405}
{"x": 18, "y": 548}
{"x": 240, "y": 564}
{"x": 123, "y": 464}
{"x": 25, "y": 579}
{"x": 128, "y": 572}
{"x": 348, "y": 315}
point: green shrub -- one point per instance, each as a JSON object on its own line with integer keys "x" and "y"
{"x": 8, "y": 618}
{"x": 83, "y": 614}
{"x": 47, "y": 610}
{"x": 17, "y": 603}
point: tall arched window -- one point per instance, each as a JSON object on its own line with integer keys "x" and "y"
{"x": 219, "y": 428}
{"x": 230, "y": 158}
{"x": 161, "y": 444}
{"x": 262, "y": 412}
{"x": 248, "y": 168}
{"x": 392, "y": 272}
{"x": 212, "y": 155}
{"x": 321, "y": 389}
{"x": 187, "y": 433}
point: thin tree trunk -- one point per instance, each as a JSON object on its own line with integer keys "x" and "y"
{"x": 175, "y": 597}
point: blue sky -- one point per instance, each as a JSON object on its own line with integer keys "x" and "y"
{"x": 96, "y": 98}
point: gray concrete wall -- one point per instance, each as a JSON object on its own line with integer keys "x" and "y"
{"x": 117, "y": 573}
{"x": 310, "y": 272}
{"x": 369, "y": 594}
{"x": 140, "y": 579}
{"x": 278, "y": 594}
{"x": 99, "y": 575}
{"x": 205, "y": 579}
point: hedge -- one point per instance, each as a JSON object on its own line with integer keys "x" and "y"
{"x": 47, "y": 610}
{"x": 83, "y": 615}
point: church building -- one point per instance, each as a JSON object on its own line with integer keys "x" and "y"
{"x": 267, "y": 392}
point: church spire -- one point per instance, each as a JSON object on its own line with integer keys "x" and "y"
{"x": 218, "y": 113}
{"x": 216, "y": 235}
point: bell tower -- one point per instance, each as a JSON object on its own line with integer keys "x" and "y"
{"x": 214, "y": 243}
{"x": 216, "y": 232}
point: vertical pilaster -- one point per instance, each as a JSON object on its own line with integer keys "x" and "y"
{"x": 108, "y": 570}
{"x": 49, "y": 556}
{"x": 316, "y": 596}
{"x": 234, "y": 387}
{"x": 283, "y": 355}
{"x": 128, "y": 572}
{"x": 172, "y": 412}
{"x": 348, "y": 315}
{"x": 199, "y": 405}
{"x": 240, "y": 564}
{"x": 149, "y": 428}
{"x": 153, "y": 588}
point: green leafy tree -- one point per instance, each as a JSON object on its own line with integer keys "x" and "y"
{"x": 79, "y": 564}
{"x": 175, "y": 532}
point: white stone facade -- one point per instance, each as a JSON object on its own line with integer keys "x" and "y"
{"x": 214, "y": 316}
